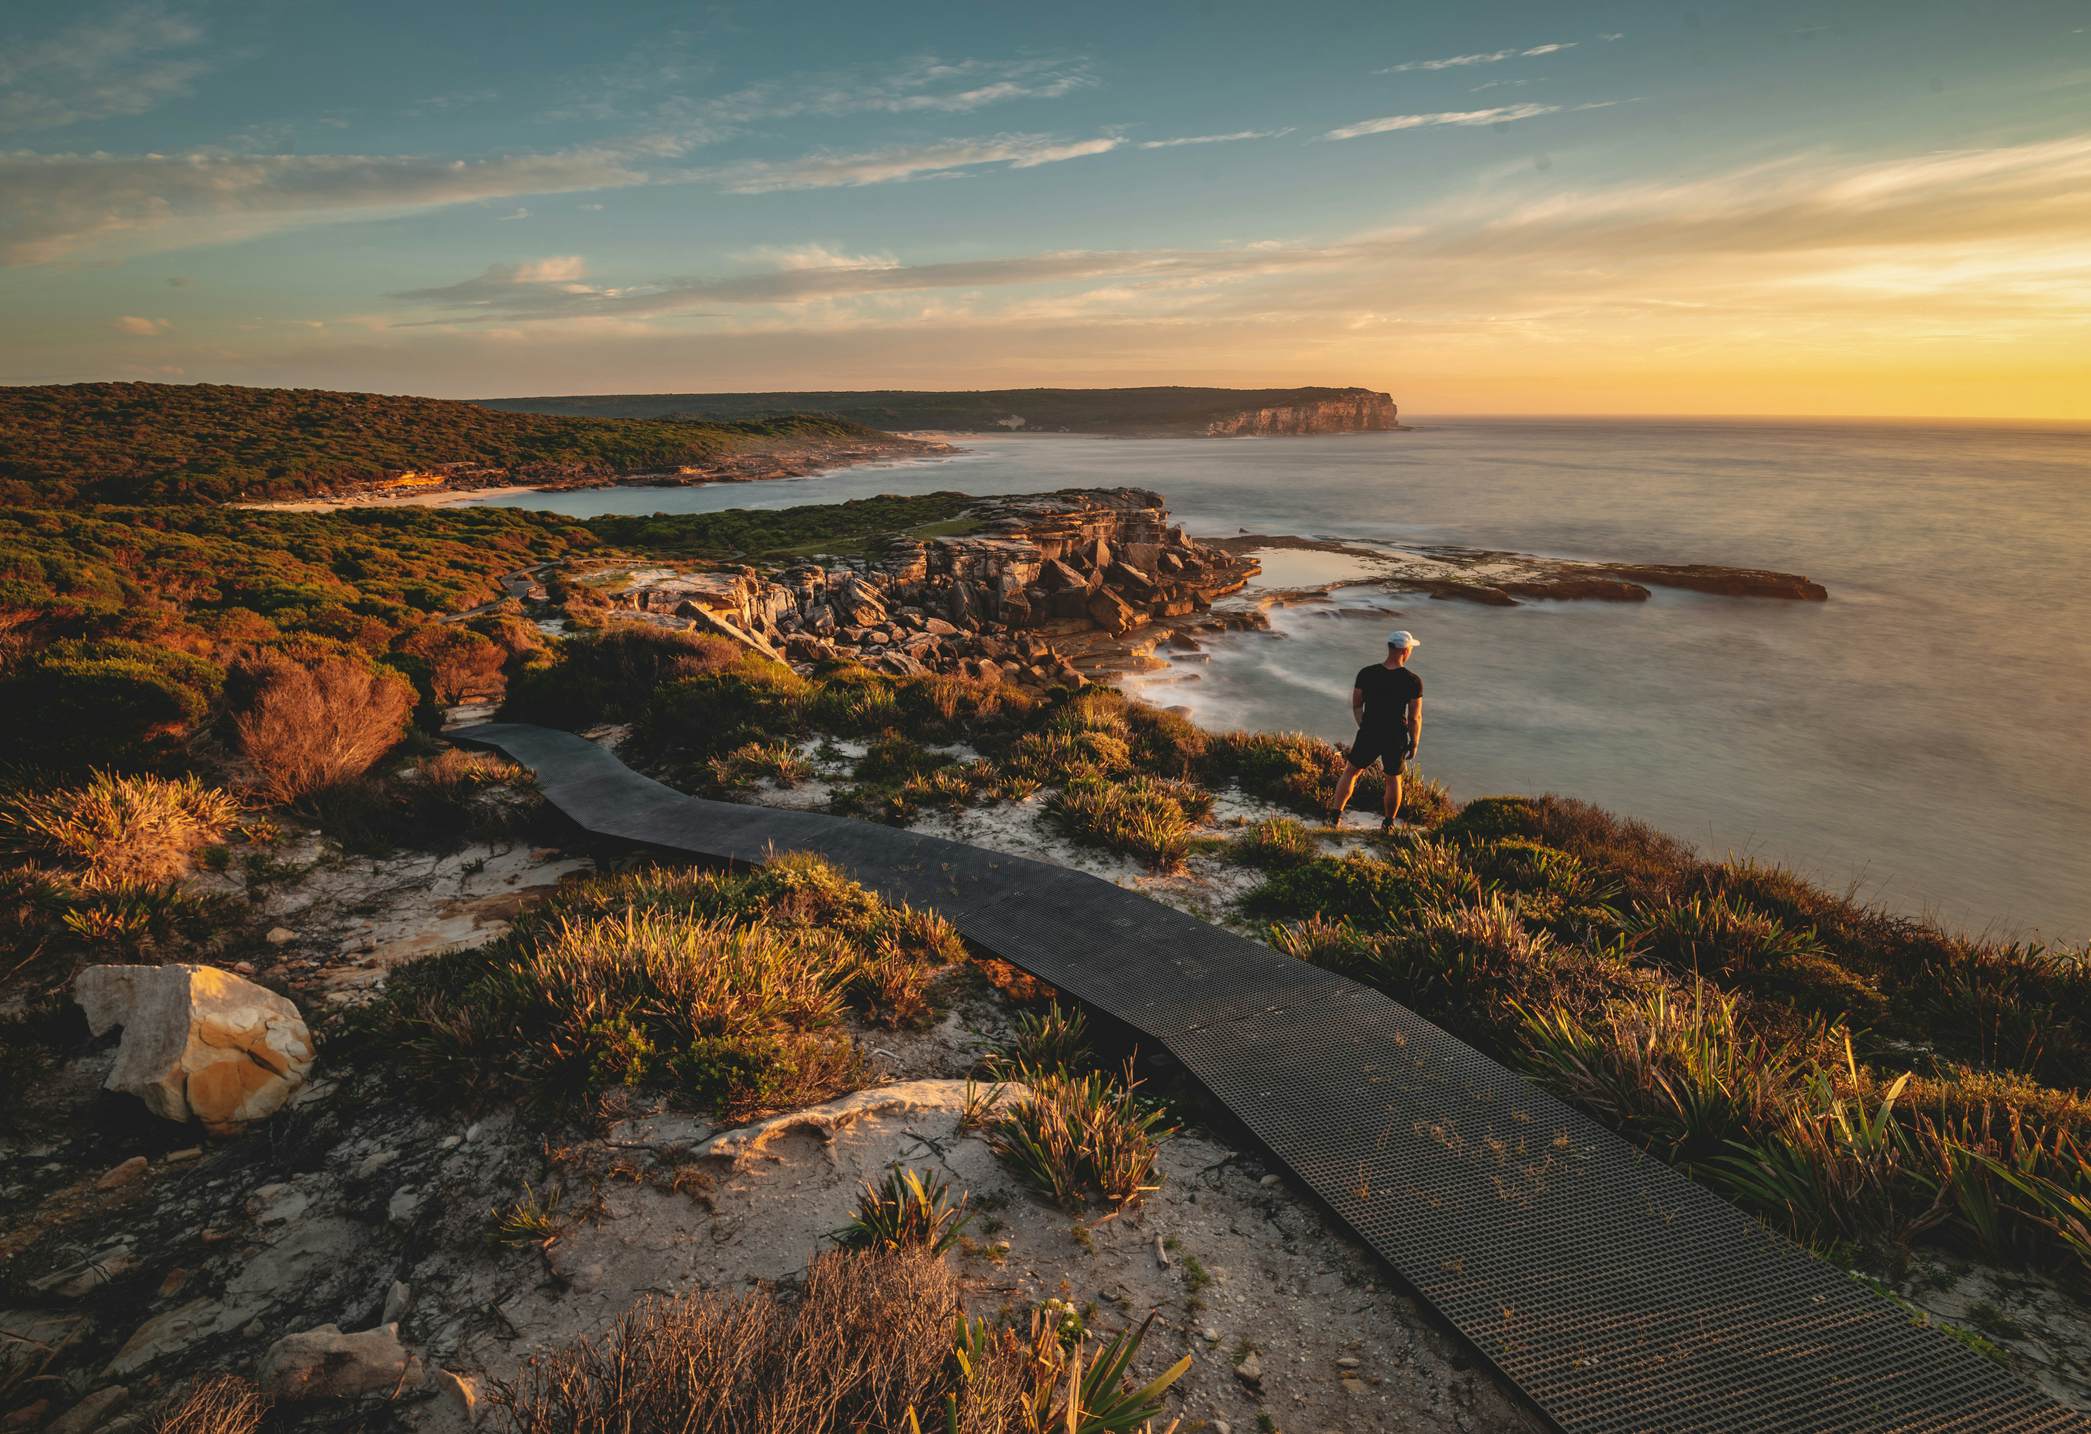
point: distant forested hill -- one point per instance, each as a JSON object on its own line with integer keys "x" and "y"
{"x": 159, "y": 443}
{"x": 1070, "y": 410}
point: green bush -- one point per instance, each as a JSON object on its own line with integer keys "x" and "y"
{"x": 612, "y": 675}
{"x": 1372, "y": 891}
{"x": 106, "y": 702}
{"x": 691, "y": 720}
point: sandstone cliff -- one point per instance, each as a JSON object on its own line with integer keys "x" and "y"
{"x": 1355, "y": 412}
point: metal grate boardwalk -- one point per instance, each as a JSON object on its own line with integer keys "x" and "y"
{"x": 1615, "y": 1293}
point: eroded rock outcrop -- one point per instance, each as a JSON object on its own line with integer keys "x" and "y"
{"x": 1042, "y": 569}
{"x": 198, "y": 1043}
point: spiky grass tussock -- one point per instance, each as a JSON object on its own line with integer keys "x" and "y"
{"x": 753, "y": 763}
{"x": 1078, "y": 1137}
{"x": 908, "y": 1210}
{"x": 119, "y": 831}
{"x": 1275, "y": 844}
{"x": 1048, "y": 1040}
{"x": 1153, "y": 818}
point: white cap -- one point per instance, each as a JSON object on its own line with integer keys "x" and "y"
{"x": 1401, "y": 637}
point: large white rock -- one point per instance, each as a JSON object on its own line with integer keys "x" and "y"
{"x": 198, "y": 1043}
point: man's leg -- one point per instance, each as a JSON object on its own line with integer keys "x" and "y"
{"x": 1393, "y": 802}
{"x": 1344, "y": 788}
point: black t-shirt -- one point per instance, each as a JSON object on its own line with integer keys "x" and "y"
{"x": 1388, "y": 692}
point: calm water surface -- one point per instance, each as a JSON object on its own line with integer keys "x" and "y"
{"x": 1925, "y": 735}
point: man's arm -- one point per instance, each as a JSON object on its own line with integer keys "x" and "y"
{"x": 1415, "y": 725}
{"x": 1357, "y": 706}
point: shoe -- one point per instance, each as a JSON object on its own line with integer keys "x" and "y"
{"x": 1386, "y": 826}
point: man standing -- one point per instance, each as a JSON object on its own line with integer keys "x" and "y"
{"x": 1386, "y": 701}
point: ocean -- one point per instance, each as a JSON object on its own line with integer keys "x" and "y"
{"x": 1923, "y": 738}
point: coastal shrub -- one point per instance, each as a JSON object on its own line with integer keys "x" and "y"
{"x": 1550, "y": 888}
{"x": 105, "y": 702}
{"x": 1372, "y": 891}
{"x": 1976, "y": 1130}
{"x": 729, "y": 990}
{"x": 215, "y": 1404}
{"x": 1291, "y": 769}
{"x": 1275, "y": 844}
{"x": 866, "y": 1339}
{"x": 1152, "y": 818}
{"x": 1167, "y": 744}
{"x": 848, "y": 700}
{"x": 1471, "y": 968}
{"x": 1650, "y": 865}
{"x": 305, "y": 725}
{"x": 119, "y": 832}
{"x": 2019, "y": 1008}
{"x": 609, "y": 677}
{"x": 1677, "y": 1071}
{"x": 460, "y": 662}
{"x": 1092, "y": 709}
{"x": 949, "y": 707}
{"x": 937, "y": 782}
{"x": 1424, "y": 801}
{"x": 1719, "y": 936}
{"x": 1057, "y": 757}
{"x": 693, "y": 719}
{"x": 908, "y": 1210}
{"x": 434, "y": 803}
{"x": 1082, "y": 1136}
{"x": 1338, "y": 945}
{"x": 1840, "y": 1169}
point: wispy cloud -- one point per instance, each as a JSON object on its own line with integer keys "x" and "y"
{"x": 1235, "y": 137}
{"x": 668, "y": 91}
{"x": 1388, "y": 124}
{"x": 64, "y": 205}
{"x": 814, "y": 273}
{"x": 824, "y": 170}
{"x": 141, "y": 327}
{"x": 124, "y": 63}
{"x": 1484, "y": 57}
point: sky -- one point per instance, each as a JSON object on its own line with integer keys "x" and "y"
{"x": 1860, "y": 207}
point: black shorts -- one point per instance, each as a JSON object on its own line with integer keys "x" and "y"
{"x": 1390, "y": 749}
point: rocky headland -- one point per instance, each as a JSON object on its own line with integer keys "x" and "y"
{"x": 1041, "y": 585}
{"x": 1160, "y": 412}
{"x": 1354, "y": 412}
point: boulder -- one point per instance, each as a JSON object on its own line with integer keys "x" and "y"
{"x": 1130, "y": 580}
{"x": 198, "y": 1043}
{"x": 1112, "y": 613}
{"x": 1056, "y": 576}
{"x": 324, "y": 1363}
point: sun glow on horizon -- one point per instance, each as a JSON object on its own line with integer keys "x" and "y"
{"x": 1650, "y": 218}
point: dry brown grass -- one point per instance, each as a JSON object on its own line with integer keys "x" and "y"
{"x": 311, "y": 725}
{"x": 114, "y": 831}
{"x": 218, "y": 1404}
{"x": 869, "y": 1338}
